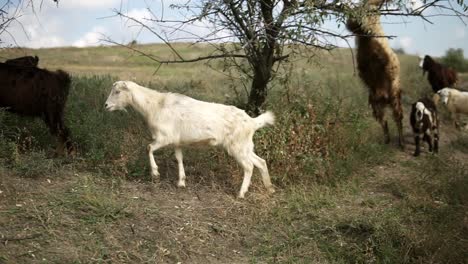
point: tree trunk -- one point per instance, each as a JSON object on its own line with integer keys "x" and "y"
{"x": 262, "y": 75}
{"x": 258, "y": 95}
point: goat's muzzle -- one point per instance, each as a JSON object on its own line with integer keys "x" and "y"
{"x": 419, "y": 115}
{"x": 108, "y": 107}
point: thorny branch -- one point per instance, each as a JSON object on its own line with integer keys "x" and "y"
{"x": 10, "y": 11}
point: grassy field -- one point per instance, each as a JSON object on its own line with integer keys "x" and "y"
{"x": 342, "y": 196}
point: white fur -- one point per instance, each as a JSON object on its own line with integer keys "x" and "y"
{"x": 456, "y": 102}
{"x": 421, "y": 62}
{"x": 421, "y": 110}
{"x": 178, "y": 120}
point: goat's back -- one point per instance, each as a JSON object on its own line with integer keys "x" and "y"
{"x": 30, "y": 90}
{"x": 26, "y": 61}
{"x": 458, "y": 101}
{"x": 192, "y": 121}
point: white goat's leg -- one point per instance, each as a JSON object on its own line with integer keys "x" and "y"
{"x": 152, "y": 147}
{"x": 261, "y": 165}
{"x": 436, "y": 137}
{"x": 247, "y": 165}
{"x": 179, "y": 156}
{"x": 457, "y": 121}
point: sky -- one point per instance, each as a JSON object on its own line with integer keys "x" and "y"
{"x": 82, "y": 23}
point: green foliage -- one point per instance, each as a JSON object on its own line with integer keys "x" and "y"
{"x": 321, "y": 224}
{"x": 400, "y": 51}
{"x": 454, "y": 58}
{"x": 313, "y": 142}
{"x": 94, "y": 130}
{"x": 36, "y": 164}
{"x": 94, "y": 204}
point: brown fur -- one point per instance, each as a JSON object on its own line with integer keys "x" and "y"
{"x": 27, "y": 61}
{"x": 438, "y": 75}
{"x": 379, "y": 67}
{"x": 35, "y": 92}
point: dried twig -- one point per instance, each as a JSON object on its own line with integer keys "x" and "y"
{"x": 32, "y": 236}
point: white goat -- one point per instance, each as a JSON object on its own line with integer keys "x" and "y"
{"x": 177, "y": 120}
{"x": 456, "y": 102}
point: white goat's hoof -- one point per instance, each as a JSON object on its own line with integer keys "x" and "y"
{"x": 155, "y": 175}
{"x": 241, "y": 196}
{"x": 181, "y": 184}
{"x": 271, "y": 190}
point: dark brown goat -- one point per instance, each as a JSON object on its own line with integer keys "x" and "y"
{"x": 27, "y": 61}
{"x": 30, "y": 91}
{"x": 425, "y": 123}
{"x": 439, "y": 76}
{"x": 379, "y": 67}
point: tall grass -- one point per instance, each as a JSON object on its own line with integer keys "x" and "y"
{"x": 314, "y": 138}
{"x": 419, "y": 221}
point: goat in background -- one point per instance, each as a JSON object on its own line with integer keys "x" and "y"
{"x": 438, "y": 75}
{"x": 456, "y": 102}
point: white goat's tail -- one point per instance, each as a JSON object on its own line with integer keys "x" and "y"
{"x": 267, "y": 118}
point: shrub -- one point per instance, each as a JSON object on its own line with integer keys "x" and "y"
{"x": 454, "y": 58}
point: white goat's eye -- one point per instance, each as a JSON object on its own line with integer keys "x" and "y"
{"x": 117, "y": 91}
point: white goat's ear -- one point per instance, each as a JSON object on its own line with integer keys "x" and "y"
{"x": 124, "y": 86}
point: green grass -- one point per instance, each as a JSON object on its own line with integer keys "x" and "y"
{"x": 418, "y": 220}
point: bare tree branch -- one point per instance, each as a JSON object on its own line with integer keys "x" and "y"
{"x": 182, "y": 60}
{"x": 259, "y": 30}
{"x": 10, "y": 12}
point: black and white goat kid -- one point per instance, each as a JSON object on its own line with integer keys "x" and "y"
{"x": 425, "y": 124}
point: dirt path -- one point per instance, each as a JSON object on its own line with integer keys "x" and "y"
{"x": 80, "y": 217}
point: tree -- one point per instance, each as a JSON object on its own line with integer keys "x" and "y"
{"x": 400, "y": 50}
{"x": 455, "y": 58}
{"x": 265, "y": 33}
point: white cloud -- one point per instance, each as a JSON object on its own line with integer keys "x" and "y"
{"x": 89, "y": 4}
{"x": 140, "y": 14}
{"x": 91, "y": 38}
{"x": 33, "y": 30}
{"x": 460, "y": 32}
{"x": 406, "y": 42}
{"x": 36, "y": 39}
{"x": 414, "y": 4}
{"x": 127, "y": 29}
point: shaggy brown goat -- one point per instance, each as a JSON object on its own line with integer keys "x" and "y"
{"x": 27, "y": 61}
{"x": 425, "y": 124}
{"x": 378, "y": 67}
{"x": 30, "y": 91}
{"x": 438, "y": 75}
